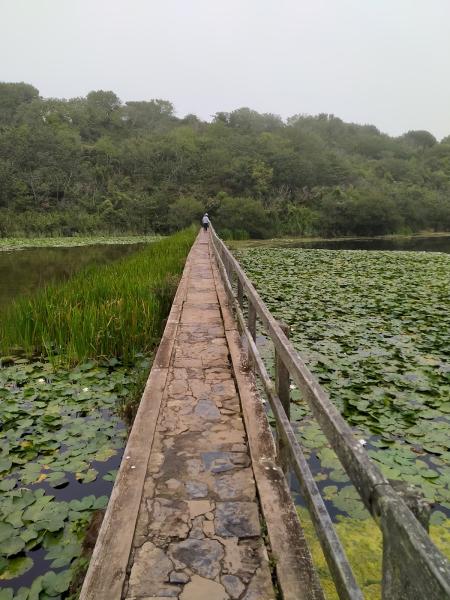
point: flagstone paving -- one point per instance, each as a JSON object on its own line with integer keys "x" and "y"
{"x": 198, "y": 534}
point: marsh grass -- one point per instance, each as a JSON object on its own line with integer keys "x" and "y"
{"x": 115, "y": 310}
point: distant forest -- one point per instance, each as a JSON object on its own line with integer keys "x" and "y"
{"x": 95, "y": 164}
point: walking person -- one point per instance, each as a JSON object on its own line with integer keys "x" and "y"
{"x": 205, "y": 222}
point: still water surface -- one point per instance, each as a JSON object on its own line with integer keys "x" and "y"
{"x": 417, "y": 244}
{"x": 23, "y": 271}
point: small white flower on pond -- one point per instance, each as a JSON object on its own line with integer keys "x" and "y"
{"x": 293, "y": 387}
{"x": 41, "y": 380}
{"x": 85, "y": 389}
{"x": 133, "y": 467}
{"x": 362, "y": 442}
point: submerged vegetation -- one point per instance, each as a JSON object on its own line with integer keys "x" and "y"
{"x": 111, "y": 311}
{"x": 64, "y": 420}
{"x": 95, "y": 164}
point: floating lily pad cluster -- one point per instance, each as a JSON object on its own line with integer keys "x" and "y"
{"x": 374, "y": 327}
{"x": 71, "y": 242}
{"x": 59, "y": 431}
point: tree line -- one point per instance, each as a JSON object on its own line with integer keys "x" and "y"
{"x": 98, "y": 165}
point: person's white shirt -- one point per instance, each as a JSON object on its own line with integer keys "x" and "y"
{"x": 205, "y": 219}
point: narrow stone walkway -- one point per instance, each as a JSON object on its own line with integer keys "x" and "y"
{"x": 198, "y": 534}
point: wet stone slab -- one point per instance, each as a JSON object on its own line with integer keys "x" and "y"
{"x": 207, "y": 410}
{"x": 201, "y": 556}
{"x": 196, "y": 489}
{"x": 238, "y": 485}
{"x": 150, "y": 571}
{"x": 198, "y": 531}
{"x": 237, "y": 519}
{"x": 217, "y": 462}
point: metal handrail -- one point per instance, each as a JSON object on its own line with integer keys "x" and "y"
{"x": 413, "y": 567}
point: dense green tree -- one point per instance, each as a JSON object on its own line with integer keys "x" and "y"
{"x": 184, "y": 211}
{"x": 244, "y": 214}
{"x": 95, "y": 164}
{"x": 148, "y": 116}
{"x": 12, "y": 96}
{"x": 420, "y": 139}
{"x": 246, "y": 120}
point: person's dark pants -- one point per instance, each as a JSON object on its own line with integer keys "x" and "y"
{"x": 205, "y": 226}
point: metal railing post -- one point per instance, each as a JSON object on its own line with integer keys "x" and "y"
{"x": 282, "y": 386}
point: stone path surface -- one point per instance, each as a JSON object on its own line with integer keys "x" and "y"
{"x": 198, "y": 534}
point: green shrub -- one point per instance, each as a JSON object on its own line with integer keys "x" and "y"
{"x": 234, "y": 234}
{"x": 244, "y": 215}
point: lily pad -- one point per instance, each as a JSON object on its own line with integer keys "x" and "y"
{"x": 12, "y": 546}
{"x": 52, "y": 430}
{"x": 6, "y": 531}
{"x": 55, "y": 584}
{"x": 5, "y": 464}
{"x": 17, "y": 567}
{"x": 374, "y": 328}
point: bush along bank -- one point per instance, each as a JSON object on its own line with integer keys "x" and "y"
{"x": 61, "y": 433}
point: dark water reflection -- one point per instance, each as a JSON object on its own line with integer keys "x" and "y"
{"x": 23, "y": 271}
{"x": 74, "y": 491}
{"x": 417, "y": 244}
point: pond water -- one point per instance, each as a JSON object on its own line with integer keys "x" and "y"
{"x": 439, "y": 243}
{"x": 61, "y": 444}
{"x": 374, "y": 328}
{"x": 418, "y": 244}
{"x": 61, "y": 437}
{"x": 22, "y": 271}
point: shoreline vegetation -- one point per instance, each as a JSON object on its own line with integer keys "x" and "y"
{"x": 97, "y": 165}
{"x": 79, "y": 355}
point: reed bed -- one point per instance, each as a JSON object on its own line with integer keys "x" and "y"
{"x": 115, "y": 310}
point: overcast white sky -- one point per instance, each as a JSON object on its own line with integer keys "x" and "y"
{"x": 384, "y": 62}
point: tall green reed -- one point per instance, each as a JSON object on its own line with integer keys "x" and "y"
{"x": 116, "y": 310}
